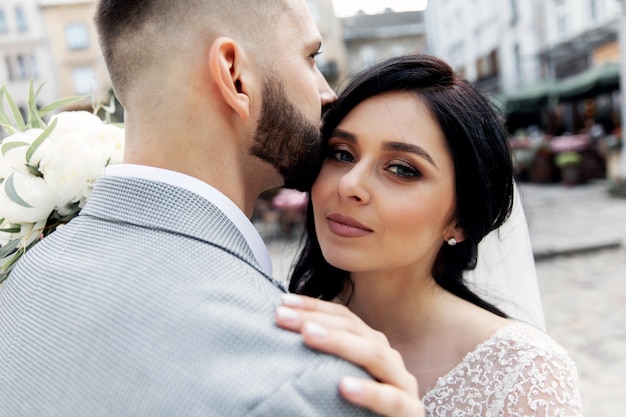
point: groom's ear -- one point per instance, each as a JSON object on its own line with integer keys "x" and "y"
{"x": 231, "y": 73}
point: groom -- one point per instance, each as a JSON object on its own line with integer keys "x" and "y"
{"x": 158, "y": 299}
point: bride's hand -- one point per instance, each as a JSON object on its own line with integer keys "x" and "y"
{"x": 334, "y": 329}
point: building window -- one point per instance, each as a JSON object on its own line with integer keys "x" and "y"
{"x": 517, "y": 56}
{"x": 34, "y": 69}
{"x": 514, "y": 12}
{"x": 561, "y": 24}
{"x": 9, "y": 64}
{"x": 22, "y": 73}
{"x": 487, "y": 66}
{"x": 3, "y": 23}
{"x": 21, "y": 67}
{"x": 593, "y": 9}
{"x": 77, "y": 36}
{"x": 20, "y": 19}
{"x": 561, "y": 19}
{"x": 84, "y": 80}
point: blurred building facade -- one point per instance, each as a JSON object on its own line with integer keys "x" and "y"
{"x": 371, "y": 38}
{"x": 76, "y": 57}
{"x": 356, "y": 42}
{"x": 533, "y": 53}
{"x": 493, "y": 43}
{"x": 24, "y": 52}
{"x": 580, "y": 34}
{"x": 54, "y": 43}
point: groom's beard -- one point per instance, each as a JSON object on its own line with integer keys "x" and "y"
{"x": 285, "y": 138}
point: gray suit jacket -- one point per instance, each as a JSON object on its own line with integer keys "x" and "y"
{"x": 150, "y": 303}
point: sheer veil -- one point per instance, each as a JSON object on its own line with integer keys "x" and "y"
{"x": 505, "y": 274}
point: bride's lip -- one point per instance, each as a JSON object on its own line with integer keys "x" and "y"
{"x": 346, "y": 226}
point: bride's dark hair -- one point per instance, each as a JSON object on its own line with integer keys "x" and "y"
{"x": 482, "y": 161}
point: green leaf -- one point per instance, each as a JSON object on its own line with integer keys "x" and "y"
{"x": 7, "y": 264}
{"x": 9, "y": 188}
{"x": 6, "y": 147}
{"x": 13, "y": 229}
{"x": 33, "y": 170}
{"x": 4, "y": 119}
{"x": 34, "y": 120}
{"x": 40, "y": 139}
{"x": 19, "y": 120}
{"x": 8, "y": 249}
{"x": 4, "y": 271}
{"x": 59, "y": 103}
{"x": 39, "y": 89}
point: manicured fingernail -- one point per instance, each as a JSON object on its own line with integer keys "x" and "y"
{"x": 292, "y": 300}
{"x": 286, "y": 313}
{"x": 314, "y": 329}
{"x": 352, "y": 385}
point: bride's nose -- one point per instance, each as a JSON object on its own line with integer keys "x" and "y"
{"x": 353, "y": 185}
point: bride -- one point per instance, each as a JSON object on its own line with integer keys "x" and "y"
{"x": 416, "y": 172}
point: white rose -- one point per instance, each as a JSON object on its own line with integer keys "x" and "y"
{"x": 76, "y": 121}
{"x": 15, "y": 159}
{"x": 112, "y": 138}
{"x": 34, "y": 191}
{"x": 71, "y": 165}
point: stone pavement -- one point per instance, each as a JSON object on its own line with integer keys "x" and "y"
{"x": 584, "y": 300}
{"x": 572, "y": 219}
{"x": 578, "y": 235}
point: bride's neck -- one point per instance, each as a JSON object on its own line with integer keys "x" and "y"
{"x": 400, "y": 307}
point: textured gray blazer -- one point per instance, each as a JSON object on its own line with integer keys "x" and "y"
{"x": 150, "y": 303}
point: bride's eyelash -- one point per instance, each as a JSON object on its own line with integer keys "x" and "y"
{"x": 403, "y": 170}
{"x": 337, "y": 152}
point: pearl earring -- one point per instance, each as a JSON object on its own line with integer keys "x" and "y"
{"x": 452, "y": 241}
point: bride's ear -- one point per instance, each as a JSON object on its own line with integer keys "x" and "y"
{"x": 455, "y": 232}
{"x": 231, "y": 74}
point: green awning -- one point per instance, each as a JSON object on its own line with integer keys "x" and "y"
{"x": 530, "y": 99}
{"x": 596, "y": 80}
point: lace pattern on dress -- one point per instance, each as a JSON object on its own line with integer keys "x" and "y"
{"x": 518, "y": 372}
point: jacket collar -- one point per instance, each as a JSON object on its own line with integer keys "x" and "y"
{"x": 156, "y": 205}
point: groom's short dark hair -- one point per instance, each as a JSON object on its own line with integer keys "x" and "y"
{"x": 134, "y": 34}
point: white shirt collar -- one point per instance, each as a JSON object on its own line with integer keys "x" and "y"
{"x": 208, "y": 192}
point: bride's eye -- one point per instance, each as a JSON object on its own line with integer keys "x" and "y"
{"x": 404, "y": 170}
{"x": 340, "y": 155}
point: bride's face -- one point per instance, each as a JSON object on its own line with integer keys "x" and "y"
{"x": 384, "y": 199}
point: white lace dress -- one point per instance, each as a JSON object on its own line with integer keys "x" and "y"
{"x": 519, "y": 371}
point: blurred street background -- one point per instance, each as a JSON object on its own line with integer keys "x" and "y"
{"x": 554, "y": 68}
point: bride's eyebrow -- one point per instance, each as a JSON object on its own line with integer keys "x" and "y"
{"x": 342, "y": 134}
{"x": 410, "y": 148}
